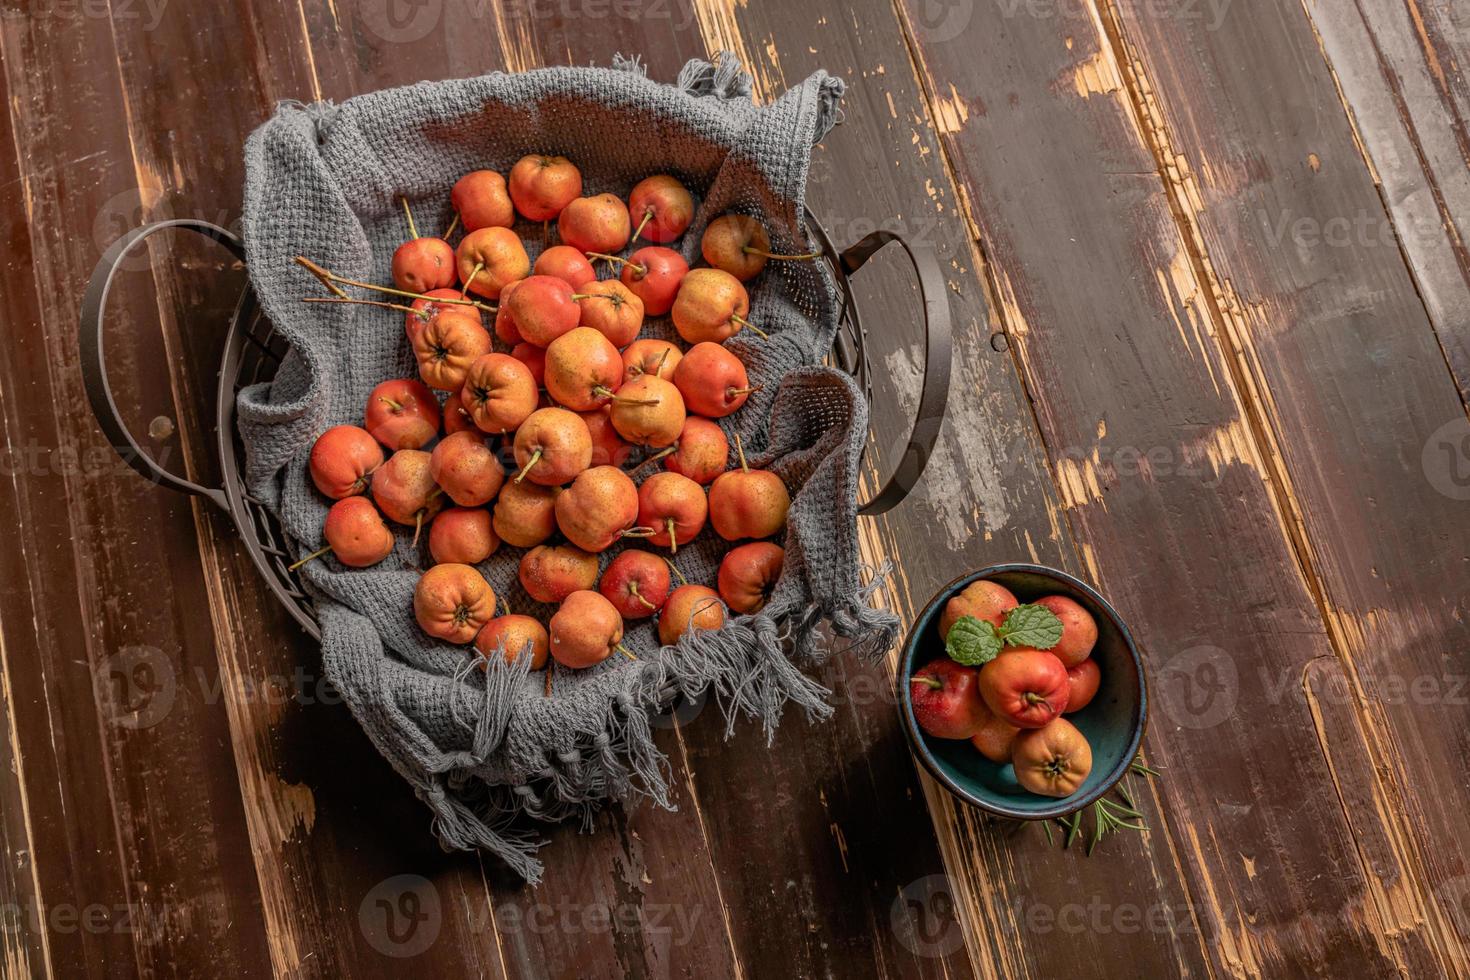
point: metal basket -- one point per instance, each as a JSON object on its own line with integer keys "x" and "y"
{"x": 253, "y": 350}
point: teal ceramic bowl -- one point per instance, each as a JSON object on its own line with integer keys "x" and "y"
{"x": 1113, "y": 722}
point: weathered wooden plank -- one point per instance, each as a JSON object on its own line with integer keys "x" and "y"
{"x": 1314, "y": 325}
{"x": 1400, "y": 68}
{"x": 987, "y": 498}
{"x": 606, "y": 906}
{"x": 1166, "y": 488}
{"x": 139, "y": 847}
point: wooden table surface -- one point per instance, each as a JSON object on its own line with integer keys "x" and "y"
{"x": 1208, "y": 268}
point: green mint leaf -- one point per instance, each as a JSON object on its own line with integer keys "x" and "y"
{"x": 972, "y": 642}
{"x": 1031, "y": 626}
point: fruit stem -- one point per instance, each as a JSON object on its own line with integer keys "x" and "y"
{"x": 413, "y": 230}
{"x": 475, "y": 272}
{"x": 658, "y": 371}
{"x": 647, "y": 217}
{"x": 677, "y": 574}
{"x": 452, "y": 225}
{"x": 636, "y": 532}
{"x": 932, "y": 683}
{"x": 641, "y": 270}
{"x": 740, "y": 448}
{"x": 421, "y": 314}
{"x": 331, "y": 279}
{"x": 746, "y": 323}
{"x": 747, "y": 390}
{"x": 633, "y": 591}
{"x": 535, "y": 458}
{"x": 603, "y": 391}
{"x": 673, "y": 536}
{"x": 625, "y": 652}
{"x": 418, "y": 525}
{"x": 314, "y": 554}
{"x": 655, "y": 457}
{"x": 805, "y": 257}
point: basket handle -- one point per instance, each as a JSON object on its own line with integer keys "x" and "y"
{"x": 938, "y": 351}
{"x": 94, "y": 371}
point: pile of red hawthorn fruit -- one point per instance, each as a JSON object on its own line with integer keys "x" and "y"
{"x": 1010, "y": 673}
{"x": 567, "y": 386}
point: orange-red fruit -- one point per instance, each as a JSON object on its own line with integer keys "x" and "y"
{"x": 662, "y": 206}
{"x": 550, "y": 573}
{"x": 447, "y": 347}
{"x": 427, "y": 308}
{"x": 648, "y": 411}
{"x": 612, "y": 310}
{"x": 404, "y": 489}
{"x": 343, "y": 459}
{"x": 465, "y": 467}
{"x": 1083, "y": 681}
{"x": 541, "y": 185}
{"x": 712, "y": 380}
{"x": 648, "y": 356}
{"x": 653, "y": 273}
{"x": 482, "y": 201}
{"x": 543, "y": 309}
{"x": 608, "y": 448}
{"x": 583, "y": 370}
{"x": 494, "y": 257}
{"x": 702, "y": 452}
{"x": 1054, "y": 760}
{"x": 674, "y": 507}
{"x": 595, "y": 224}
{"x": 506, "y": 329}
{"x": 456, "y": 416}
{"x": 689, "y": 606}
{"x": 597, "y": 508}
{"x": 552, "y": 446}
{"x": 585, "y": 630}
{"x": 499, "y": 392}
{"x": 747, "y": 503}
{"x": 636, "y": 583}
{"x": 996, "y": 738}
{"x": 452, "y": 602}
{"x": 1079, "y": 629}
{"x": 982, "y": 599}
{"x": 566, "y": 264}
{"x": 356, "y": 533}
{"x": 724, "y": 243}
{"x": 525, "y": 513}
{"x": 462, "y": 535}
{"x": 402, "y": 414}
{"x": 748, "y": 575}
{"x": 710, "y": 306}
{"x": 515, "y": 635}
{"x": 423, "y": 264}
{"x": 534, "y": 358}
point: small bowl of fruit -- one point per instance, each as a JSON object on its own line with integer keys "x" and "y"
{"x": 1022, "y": 691}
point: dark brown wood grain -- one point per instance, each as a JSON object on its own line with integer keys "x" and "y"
{"x": 1314, "y": 323}
{"x": 1223, "y": 429}
{"x": 1106, "y": 310}
{"x": 139, "y": 845}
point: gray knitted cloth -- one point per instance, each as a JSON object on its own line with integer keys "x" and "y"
{"x": 487, "y": 750}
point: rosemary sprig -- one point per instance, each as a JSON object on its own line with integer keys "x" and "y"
{"x": 1108, "y": 815}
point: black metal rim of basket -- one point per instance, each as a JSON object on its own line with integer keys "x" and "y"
{"x": 253, "y": 349}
